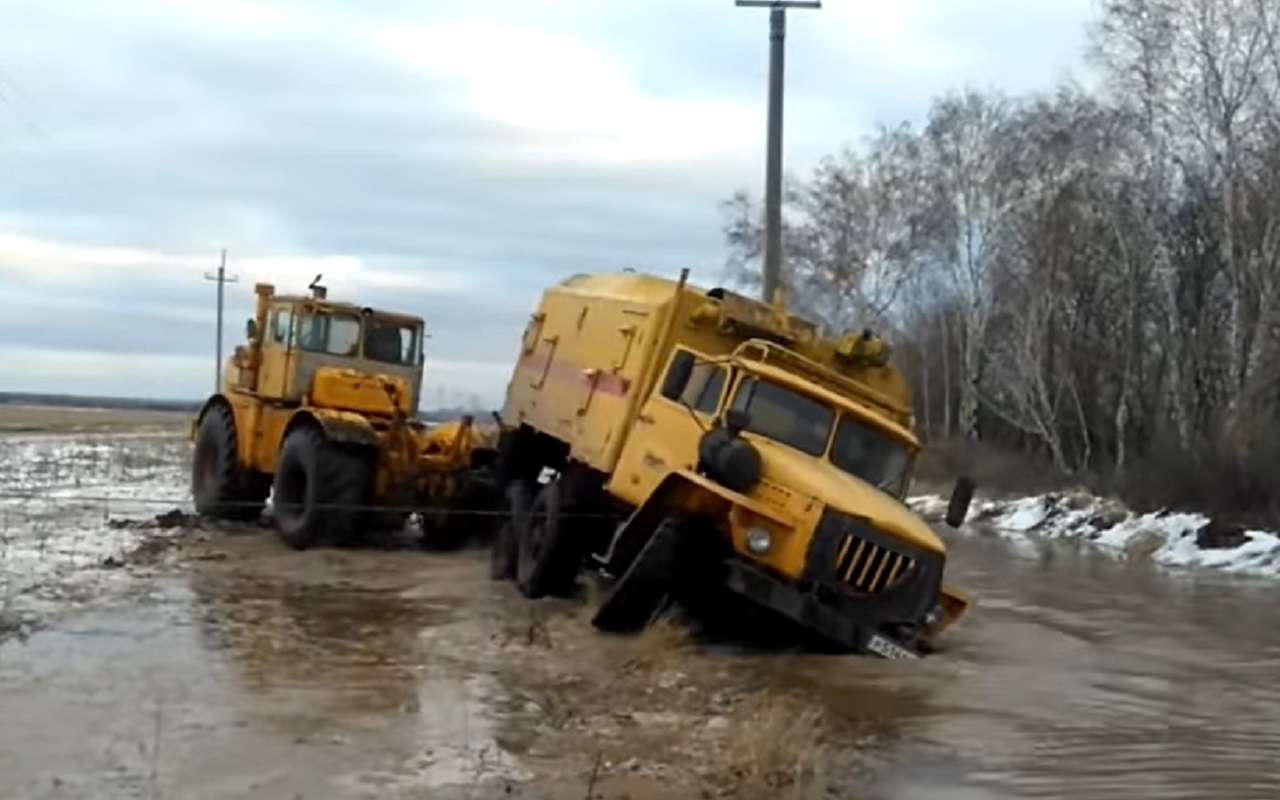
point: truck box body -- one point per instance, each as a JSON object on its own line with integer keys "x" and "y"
{"x": 596, "y": 344}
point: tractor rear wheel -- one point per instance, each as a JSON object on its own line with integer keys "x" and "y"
{"x": 548, "y": 560}
{"x": 321, "y": 489}
{"x": 221, "y": 488}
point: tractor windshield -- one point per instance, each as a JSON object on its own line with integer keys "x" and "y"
{"x": 390, "y": 342}
{"x": 866, "y": 453}
{"x": 785, "y": 416}
{"x": 335, "y": 334}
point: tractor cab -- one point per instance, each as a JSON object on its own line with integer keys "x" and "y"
{"x": 333, "y": 354}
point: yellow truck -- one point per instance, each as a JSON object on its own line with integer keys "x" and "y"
{"x": 318, "y": 410}
{"x": 682, "y": 438}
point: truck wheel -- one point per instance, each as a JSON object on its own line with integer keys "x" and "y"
{"x": 545, "y": 563}
{"x": 218, "y": 484}
{"x": 641, "y": 592}
{"x": 506, "y": 542}
{"x": 319, "y": 488}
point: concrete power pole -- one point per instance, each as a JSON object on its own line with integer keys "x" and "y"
{"x": 223, "y": 280}
{"x": 773, "y": 161}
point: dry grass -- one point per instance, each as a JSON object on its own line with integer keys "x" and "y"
{"x": 661, "y": 646}
{"x": 775, "y": 747}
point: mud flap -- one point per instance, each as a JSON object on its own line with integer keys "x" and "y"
{"x": 642, "y": 591}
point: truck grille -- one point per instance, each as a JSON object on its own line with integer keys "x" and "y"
{"x": 868, "y": 567}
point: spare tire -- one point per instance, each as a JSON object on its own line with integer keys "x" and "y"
{"x": 729, "y": 460}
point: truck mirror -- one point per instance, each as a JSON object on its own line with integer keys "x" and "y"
{"x": 961, "y": 497}
{"x": 250, "y": 328}
{"x": 677, "y": 375}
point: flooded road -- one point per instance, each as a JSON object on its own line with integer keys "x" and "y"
{"x": 238, "y": 668}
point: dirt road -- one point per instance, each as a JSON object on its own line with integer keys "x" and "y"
{"x": 222, "y": 665}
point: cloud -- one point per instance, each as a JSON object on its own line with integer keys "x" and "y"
{"x": 442, "y": 159}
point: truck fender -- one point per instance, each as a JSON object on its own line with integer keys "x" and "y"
{"x": 344, "y": 427}
{"x": 682, "y": 493}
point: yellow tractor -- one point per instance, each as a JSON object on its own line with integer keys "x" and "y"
{"x": 318, "y": 409}
{"x": 735, "y": 447}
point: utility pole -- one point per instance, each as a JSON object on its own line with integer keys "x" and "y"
{"x": 773, "y": 161}
{"x": 222, "y": 279}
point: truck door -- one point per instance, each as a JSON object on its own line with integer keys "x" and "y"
{"x": 665, "y": 434}
{"x": 276, "y": 345}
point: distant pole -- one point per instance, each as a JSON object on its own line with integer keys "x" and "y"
{"x": 773, "y": 160}
{"x": 223, "y": 280}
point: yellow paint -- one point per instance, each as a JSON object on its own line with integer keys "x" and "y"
{"x": 360, "y": 392}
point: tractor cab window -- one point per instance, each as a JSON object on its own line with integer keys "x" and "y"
{"x": 335, "y": 334}
{"x": 282, "y": 323}
{"x": 866, "y": 453}
{"x": 784, "y": 415}
{"x": 390, "y": 342}
{"x": 702, "y": 393}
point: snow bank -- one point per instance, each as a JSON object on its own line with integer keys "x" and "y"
{"x": 1166, "y": 537}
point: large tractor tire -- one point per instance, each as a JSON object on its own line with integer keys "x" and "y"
{"x": 321, "y": 489}
{"x": 505, "y": 548}
{"x": 643, "y": 590}
{"x": 218, "y": 484}
{"x": 548, "y": 560}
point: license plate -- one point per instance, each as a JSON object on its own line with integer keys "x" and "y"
{"x": 887, "y": 648}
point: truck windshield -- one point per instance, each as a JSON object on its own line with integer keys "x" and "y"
{"x": 866, "y": 453}
{"x": 785, "y": 416}
{"x": 390, "y": 342}
{"x": 336, "y": 334}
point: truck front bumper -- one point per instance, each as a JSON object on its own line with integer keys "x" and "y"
{"x": 838, "y": 622}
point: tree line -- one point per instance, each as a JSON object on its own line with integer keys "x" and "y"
{"x": 1091, "y": 275}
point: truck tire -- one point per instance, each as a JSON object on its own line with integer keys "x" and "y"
{"x": 505, "y": 549}
{"x": 547, "y": 561}
{"x": 218, "y": 484}
{"x": 642, "y": 591}
{"x": 320, "y": 488}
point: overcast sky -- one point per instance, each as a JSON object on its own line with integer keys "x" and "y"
{"x": 444, "y": 159}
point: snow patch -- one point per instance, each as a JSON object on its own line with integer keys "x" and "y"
{"x": 1166, "y": 537}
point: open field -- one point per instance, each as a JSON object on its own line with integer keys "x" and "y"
{"x": 62, "y": 419}
{"x": 181, "y": 659}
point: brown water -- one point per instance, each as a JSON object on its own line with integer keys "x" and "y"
{"x": 249, "y": 671}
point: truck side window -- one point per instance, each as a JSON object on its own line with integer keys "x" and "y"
{"x": 703, "y": 390}
{"x": 283, "y": 319}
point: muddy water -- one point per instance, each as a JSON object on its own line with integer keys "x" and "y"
{"x": 1089, "y": 677}
{"x": 250, "y": 671}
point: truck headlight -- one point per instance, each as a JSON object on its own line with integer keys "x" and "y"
{"x": 758, "y": 540}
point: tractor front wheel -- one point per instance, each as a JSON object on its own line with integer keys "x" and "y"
{"x": 321, "y": 489}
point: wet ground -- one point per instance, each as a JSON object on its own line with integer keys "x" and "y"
{"x": 223, "y": 665}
